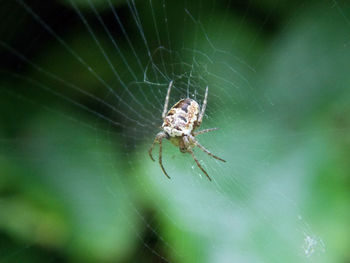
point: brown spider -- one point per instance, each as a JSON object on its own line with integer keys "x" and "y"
{"x": 178, "y": 126}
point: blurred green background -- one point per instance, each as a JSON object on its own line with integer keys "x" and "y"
{"x": 82, "y": 87}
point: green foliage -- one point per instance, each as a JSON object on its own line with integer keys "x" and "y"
{"x": 70, "y": 189}
{"x": 67, "y": 191}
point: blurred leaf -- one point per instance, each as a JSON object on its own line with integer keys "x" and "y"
{"x": 308, "y": 66}
{"x": 84, "y": 175}
{"x": 254, "y": 210}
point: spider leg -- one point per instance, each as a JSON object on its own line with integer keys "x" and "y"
{"x": 160, "y": 158}
{"x": 204, "y": 105}
{"x": 204, "y": 131}
{"x": 198, "y": 164}
{"x": 204, "y": 149}
{"x": 187, "y": 144}
{"x": 150, "y": 150}
{"x": 165, "y": 110}
{"x": 159, "y": 137}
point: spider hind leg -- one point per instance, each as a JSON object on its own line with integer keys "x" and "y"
{"x": 188, "y": 146}
{"x": 204, "y": 149}
{"x": 198, "y": 164}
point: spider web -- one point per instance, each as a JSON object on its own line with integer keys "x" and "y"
{"x": 87, "y": 92}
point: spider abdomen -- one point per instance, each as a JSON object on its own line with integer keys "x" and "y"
{"x": 181, "y": 119}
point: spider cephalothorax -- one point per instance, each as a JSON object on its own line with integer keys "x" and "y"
{"x": 179, "y": 125}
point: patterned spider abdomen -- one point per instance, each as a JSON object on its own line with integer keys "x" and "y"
{"x": 181, "y": 119}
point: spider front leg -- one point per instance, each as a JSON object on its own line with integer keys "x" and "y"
{"x": 204, "y": 105}
{"x": 160, "y": 136}
{"x": 165, "y": 110}
{"x": 187, "y": 144}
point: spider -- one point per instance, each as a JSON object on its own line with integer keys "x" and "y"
{"x": 179, "y": 124}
